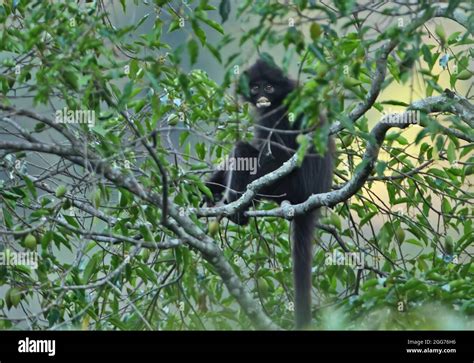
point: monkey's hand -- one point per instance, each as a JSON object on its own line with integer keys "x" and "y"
{"x": 211, "y": 202}
{"x": 216, "y": 185}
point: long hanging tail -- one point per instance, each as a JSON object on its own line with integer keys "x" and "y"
{"x": 303, "y": 232}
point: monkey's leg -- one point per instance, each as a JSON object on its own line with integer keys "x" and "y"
{"x": 244, "y": 156}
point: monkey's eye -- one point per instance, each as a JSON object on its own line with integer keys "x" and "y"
{"x": 269, "y": 88}
{"x": 254, "y": 90}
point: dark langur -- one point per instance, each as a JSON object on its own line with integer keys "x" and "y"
{"x": 271, "y": 146}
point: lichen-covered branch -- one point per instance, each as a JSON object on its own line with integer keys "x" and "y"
{"x": 250, "y": 193}
{"x": 329, "y": 199}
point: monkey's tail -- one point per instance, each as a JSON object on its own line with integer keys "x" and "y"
{"x": 302, "y": 235}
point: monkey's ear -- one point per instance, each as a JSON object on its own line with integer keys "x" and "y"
{"x": 291, "y": 84}
{"x": 243, "y": 87}
{"x": 287, "y": 85}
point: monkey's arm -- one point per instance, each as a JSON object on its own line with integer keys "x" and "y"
{"x": 239, "y": 179}
{"x": 235, "y": 181}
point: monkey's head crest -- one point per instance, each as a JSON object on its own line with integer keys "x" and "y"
{"x": 267, "y": 84}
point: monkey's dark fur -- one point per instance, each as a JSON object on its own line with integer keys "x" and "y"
{"x": 268, "y": 88}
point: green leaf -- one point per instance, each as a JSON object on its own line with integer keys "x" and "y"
{"x": 367, "y": 218}
{"x": 413, "y": 283}
{"x": 427, "y": 56}
{"x": 184, "y": 83}
{"x": 244, "y": 85}
{"x": 303, "y": 141}
{"x": 71, "y": 80}
{"x": 453, "y": 37}
{"x": 203, "y": 188}
{"x": 336, "y": 221}
{"x": 401, "y": 140}
{"x": 148, "y": 273}
{"x": 182, "y": 137}
{"x": 414, "y": 242}
{"x": 9, "y": 195}
{"x": 212, "y": 24}
{"x": 174, "y": 25}
{"x": 30, "y": 185}
{"x": 380, "y": 168}
{"x": 214, "y": 52}
{"x": 267, "y": 58}
{"x": 445, "y": 206}
{"x": 201, "y": 34}
{"x": 315, "y": 31}
{"x": 370, "y": 283}
{"x": 99, "y": 129}
{"x": 72, "y": 221}
{"x": 127, "y": 91}
{"x": 439, "y": 31}
{"x": 464, "y": 75}
{"x": 451, "y": 152}
{"x": 53, "y": 316}
{"x": 193, "y": 50}
{"x": 395, "y": 103}
{"x": 224, "y": 10}
{"x": 118, "y": 324}
{"x": 200, "y": 150}
{"x": 90, "y": 268}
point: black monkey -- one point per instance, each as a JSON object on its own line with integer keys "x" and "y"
{"x": 271, "y": 147}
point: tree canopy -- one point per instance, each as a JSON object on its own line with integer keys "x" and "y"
{"x": 109, "y": 129}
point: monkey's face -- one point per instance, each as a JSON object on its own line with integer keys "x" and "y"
{"x": 267, "y": 86}
{"x": 264, "y": 94}
{"x": 261, "y": 94}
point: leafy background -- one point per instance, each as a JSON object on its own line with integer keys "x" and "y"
{"x": 170, "y": 69}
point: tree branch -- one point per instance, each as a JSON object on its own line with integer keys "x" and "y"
{"x": 183, "y": 226}
{"x": 288, "y": 211}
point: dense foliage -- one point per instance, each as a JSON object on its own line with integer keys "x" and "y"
{"x": 88, "y": 197}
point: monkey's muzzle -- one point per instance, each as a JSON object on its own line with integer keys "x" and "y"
{"x": 263, "y": 102}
